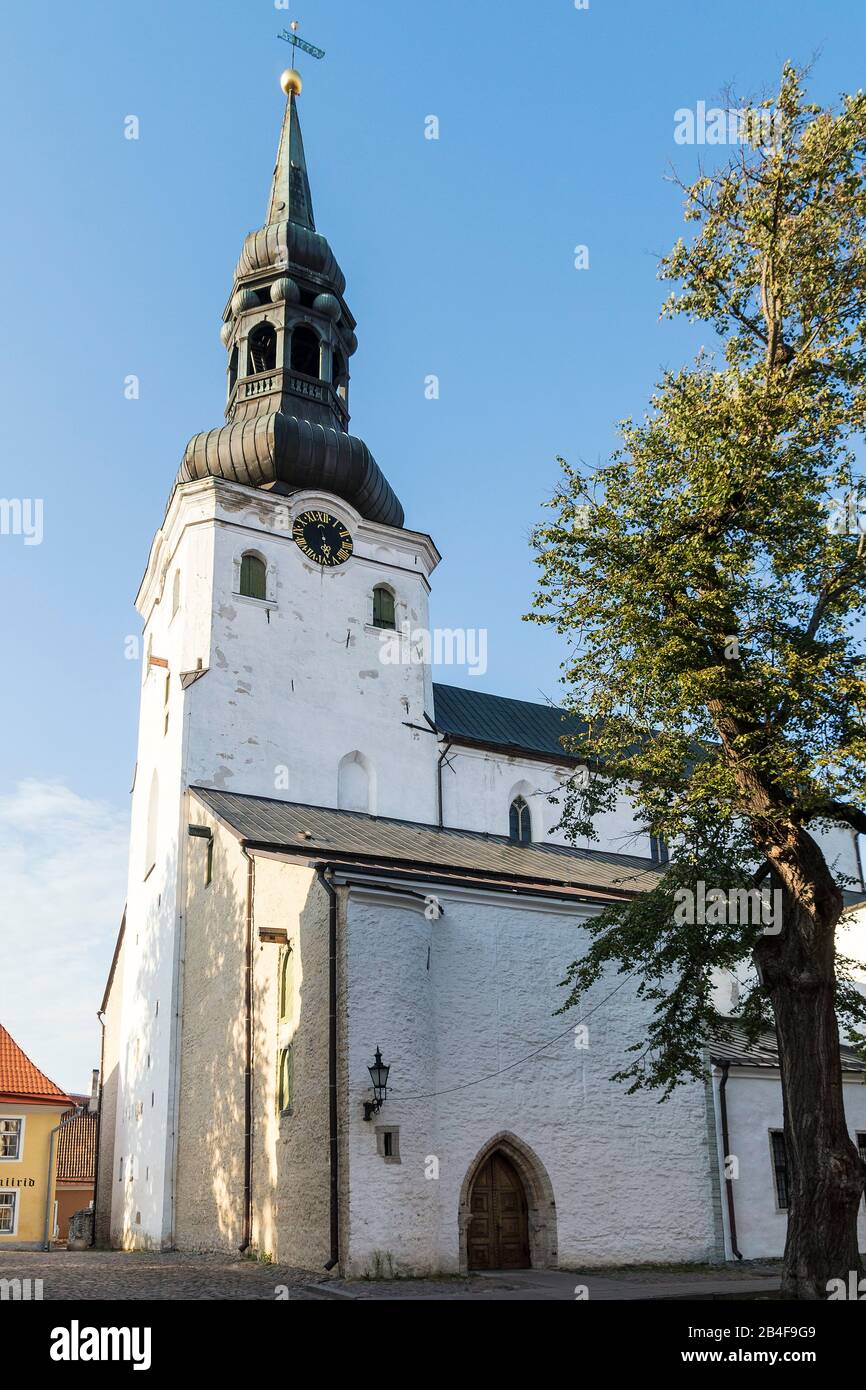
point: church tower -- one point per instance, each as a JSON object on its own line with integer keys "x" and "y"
{"x": 281, "y": 561}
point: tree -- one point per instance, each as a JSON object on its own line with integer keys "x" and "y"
{"x": 711, "y": 579}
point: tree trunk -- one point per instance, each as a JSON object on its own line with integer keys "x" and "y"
{"x": 825, "y": 1173}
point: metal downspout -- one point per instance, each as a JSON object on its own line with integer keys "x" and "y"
{"x": 729, "y": 1182}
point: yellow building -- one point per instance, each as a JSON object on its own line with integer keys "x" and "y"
{"x": 31, "y": 1107}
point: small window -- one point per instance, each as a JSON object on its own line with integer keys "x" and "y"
{"x": 659, "y": 852}
{"x": 208, "y": 868}
{"x": 388, "y": 1143}
{"x": 383, "y": 608}
{"x": 10, "y": 1140}
{"x": 861, "y": 1149}
{"x": 175, "y": 593}
{"x": 780, "y": 1167}
{"x": 287, "y": 982}
{"x": 253, "y": 577}
{"x": 520, "y": 825}
{"x": 305, "y": 352}
{"x": 8, "y": 1208}
{"x": 286, "y": 1082}
{"x": 262, "y": 349}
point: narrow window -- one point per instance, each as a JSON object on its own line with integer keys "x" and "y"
{"x": 10, "y": 1139}
{"x": 175, "y": 593}
{"x": 383, "y": 608}
{"x": 305, "y": 352}
{"x": 152, "y": 826}
{"x": 8, "y": 1203}
{"x": 286, "y": 1084}
{"x": 208, "y": 870}
{"x": 780, "y": 1167}
{"x": 253, "y": 577}
{"x": 388, "y": 1143}
{"x": 262, "y": 349}
{"x": 659, "y": 852}
{"x": 340, "y": 376}
{"x": 520, "y": 825}
{"x": 861, "y": 1149}
{"x": 287, "y": 982}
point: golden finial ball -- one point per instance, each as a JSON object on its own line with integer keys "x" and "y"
{"x": 290, "y": 81}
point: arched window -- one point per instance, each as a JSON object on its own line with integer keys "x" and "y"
{"x": 233, "y": 369}
{"x": 383, "y": 608}
{"x": 262, "y": 349}
{"x": 520, "y": 825}
{"x": 287, "y": 982}
{"x": 354, "y": 784}
{"x": 305, "y": 351}
{"x": 175, "y": 593}
{"x": 152, "y": 825}
{"x": 340, "y": 376}
{"x": 253, "y": 577}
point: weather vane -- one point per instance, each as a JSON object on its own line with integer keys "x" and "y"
{"x": 297, "y": 43}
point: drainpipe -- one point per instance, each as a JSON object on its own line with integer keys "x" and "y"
{"x": 442, "y": 756}
{"x": 729, "y": 1182}
{"x": 248, "y": 1058}
{"x": 101, "y": 1016}
{"x": 324, "y": 872}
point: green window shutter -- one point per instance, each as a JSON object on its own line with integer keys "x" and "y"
{"x": 253, "y": 577}
{"x": 383, "y": 609}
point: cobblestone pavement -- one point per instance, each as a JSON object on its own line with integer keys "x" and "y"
{"x": 116, "y": 1275}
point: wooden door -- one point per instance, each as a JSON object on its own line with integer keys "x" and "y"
{"x": 498, "y": 1224}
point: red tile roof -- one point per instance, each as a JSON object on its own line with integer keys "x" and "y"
{"x": 76, "y": 1149}
{"x": 20, "y": 1080}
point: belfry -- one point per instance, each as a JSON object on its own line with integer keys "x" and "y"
{"x": 289, "y": 335}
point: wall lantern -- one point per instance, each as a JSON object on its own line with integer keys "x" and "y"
{"x": 379, "y": 1077}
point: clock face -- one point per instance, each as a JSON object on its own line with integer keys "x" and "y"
{"x": 322, "y": 538}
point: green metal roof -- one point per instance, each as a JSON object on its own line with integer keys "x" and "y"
{"x": 475, "y": 717}
{"x": 324, "y": 834}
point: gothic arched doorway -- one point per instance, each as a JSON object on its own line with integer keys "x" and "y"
{"x": 538, "y": 1207}
{"x": 498, "y": 1236}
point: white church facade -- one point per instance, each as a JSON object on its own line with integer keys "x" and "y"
{"x": 331, "y": 854}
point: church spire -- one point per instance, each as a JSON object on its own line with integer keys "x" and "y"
{"x": 289, "y": 334}
{"x": 290, "y": 199}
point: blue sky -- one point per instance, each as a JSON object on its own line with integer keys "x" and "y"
{"x": 556, "y": 129}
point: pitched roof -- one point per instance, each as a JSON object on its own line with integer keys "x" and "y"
{"x": 472, "y": 716}
{"x": 325, "y": 834}
{"x": 21, "y": 1080}
{"x": 76, "y": 1148}
{"x": 764, "y": 1052}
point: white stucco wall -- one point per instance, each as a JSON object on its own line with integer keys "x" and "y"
{"x": 754, "y": 1101}
{"x": 631, "y": 1178}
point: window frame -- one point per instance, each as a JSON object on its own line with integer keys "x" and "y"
{"x": 383, "y": 1134}
{"x": 249, "y": 555}
{"x": 286, "y": 1103}
{"x": 523, "y": 813}
{"x": 286, "y": 964}
{"x": 387, "y": 592}
{"x": 14, "y": 1205}
{"x": 18, "y": 1156}
{"x": 774, "y": 1135}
